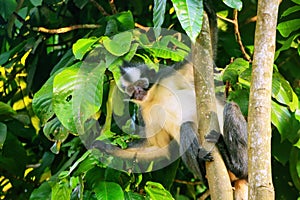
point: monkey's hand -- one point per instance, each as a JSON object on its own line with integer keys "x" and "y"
{"x": 204, "y": 155}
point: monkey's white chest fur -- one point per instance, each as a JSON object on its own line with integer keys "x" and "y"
{"x": 167, "y": 105}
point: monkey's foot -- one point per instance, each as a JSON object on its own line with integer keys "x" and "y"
{"x": 205, "y": 155}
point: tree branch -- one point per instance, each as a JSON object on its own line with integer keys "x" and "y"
{"x": 259, "y": 117}
{"x": 236, "y": 32}
{"x": 113, "y": 7}
{"x": 65, "y": 29}
{"x": 99, "y": 7}
{"x": 218, "y": 179}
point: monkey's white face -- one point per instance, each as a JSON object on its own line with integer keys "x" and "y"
{"x": 134, "y": 85}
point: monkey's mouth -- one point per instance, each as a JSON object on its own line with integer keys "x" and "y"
{"x": 139, "y": 93}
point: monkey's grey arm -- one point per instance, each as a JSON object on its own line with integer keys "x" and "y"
{"x": 193, "y": 154}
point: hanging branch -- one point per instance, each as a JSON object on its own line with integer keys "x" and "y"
{"x": 259, "y": 117}
{"x": 237, "y": 32}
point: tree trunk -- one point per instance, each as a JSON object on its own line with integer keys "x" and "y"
{"x": 218, "y": 179}
{"x": 259, "y": 118}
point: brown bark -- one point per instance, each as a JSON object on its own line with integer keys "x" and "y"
{"x": 218, "y": 179}
{"x": 259, "y": 118}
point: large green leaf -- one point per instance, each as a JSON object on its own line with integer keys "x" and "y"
{"x": 287, "y": 27}
{"x": 77, "y": 93}
{"x": 119, "y": 44}
{"x": 108, "y": 190}
{"x": 190, "y": 15}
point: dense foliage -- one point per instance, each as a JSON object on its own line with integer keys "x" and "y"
{"x": 58, "y": 61}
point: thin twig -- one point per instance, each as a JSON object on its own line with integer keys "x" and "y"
{"x": 225, "y": 19}
{"x": 65, "y": 29}
{"x": 238, "y": 35}
{"x": 99, "y": 7}
{"x": 205, "y": 195}
{"x": 188, "y": 182}
{"x": 113, "y": 7}
{"x": 141, "y": 27}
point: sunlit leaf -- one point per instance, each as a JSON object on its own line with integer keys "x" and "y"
{"x": 119, "y": 44}
{"x": 236, "y": 4}
{"x": 287, "y": 27}
{"x": 190, "y": 15}
{"x": 61, "y": 190}
{"x": 82, "y": 46}
{"x": 77, "y": 93}
{"x": 156, "y": 191}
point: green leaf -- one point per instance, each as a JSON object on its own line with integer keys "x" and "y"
{"x": 287, "y": 27}
{"x": 42, "y": 192}
{"x": 290, "y": 11}
{"x": 125, "y": 20}
{"x": 7, "y": 7}
{"x": 296, "y": 1}
{"x": 61, "y": 190}
{"x": 283, "y": 92}
{"x": 234, "y": 69}
{"x": 133, "y": 196}
{"x": 55, "y": 131}
{"x": 286, "y": 44}
{"x": 42, "y": 101}
{"x": 283, "y": 121}
{"x": 156, "y": 191}
{"x": 77, "y": 94}
{"x": 235, "y": 4}
{"x": 82, "y": 46}
{"x": 108, "y": 190}
{"x": 3, "y": 133}
{"x": 119, "y": 44}
{"x": 4, "y": 57}
{"x": 36, "y": 2}
{"x": 6, "y": 110}
{"x": 190, "y": 15}
{"x": 159, "y": 10}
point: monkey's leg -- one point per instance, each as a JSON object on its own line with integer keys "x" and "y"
{"x": 193, "y": 154}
